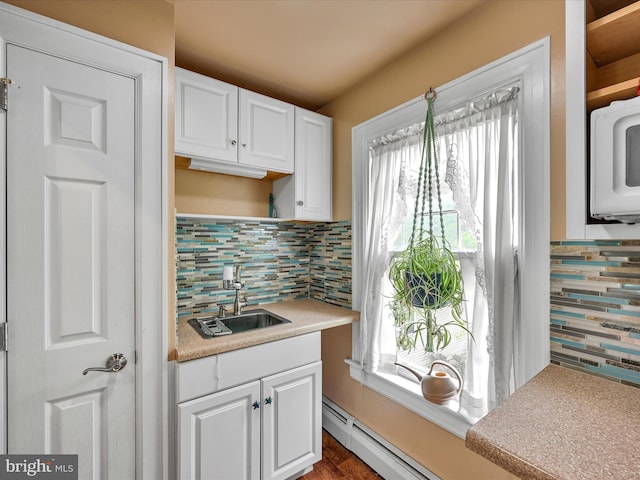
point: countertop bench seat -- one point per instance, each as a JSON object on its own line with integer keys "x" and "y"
{"x": 564, "y": 424}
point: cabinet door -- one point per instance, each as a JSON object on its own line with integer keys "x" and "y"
{"x": 219, "y": 435}
{"x": 312, "y": 177}
{"x": 291, "y": 421}
{"x": 266, "y": 132}
{"x": 206, "y": 117}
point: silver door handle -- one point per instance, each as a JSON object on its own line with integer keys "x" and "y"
{"x": 115, "y": 363}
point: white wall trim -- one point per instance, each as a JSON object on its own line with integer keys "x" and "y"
{"x": 3, "y": 259}
{"x": 409, "y": 394}
{"x": 576, "y": 108}
{"x": 576, "y": 137}
{"x": 382, "y": 456}
{"x": 150, "y": 71}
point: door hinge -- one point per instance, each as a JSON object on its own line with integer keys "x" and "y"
{"x": 4, "y": 93}
{"x": 3, "y": 337}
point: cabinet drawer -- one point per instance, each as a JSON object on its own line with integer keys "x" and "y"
{"x": 203, "y": 376}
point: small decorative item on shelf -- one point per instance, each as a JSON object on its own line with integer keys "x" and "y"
{"x": 425, "y": 276}
{"x": 272, "y": 207}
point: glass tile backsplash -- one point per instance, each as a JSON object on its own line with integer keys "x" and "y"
{"x": 280, "y": 261}
{"x": 595, "y": 308}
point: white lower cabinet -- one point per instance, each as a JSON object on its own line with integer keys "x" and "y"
{"x": 219, "y": 436}
{"x": 291, "y": 421}
{"x": 269, "y": 428}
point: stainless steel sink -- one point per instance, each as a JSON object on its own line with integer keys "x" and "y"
{"x": 250, "y": 320}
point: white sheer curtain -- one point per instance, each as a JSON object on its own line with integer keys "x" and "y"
{"x": 481, "y": 147}
{"x": 385, "y": 213}
{"x": 479, "y": 143}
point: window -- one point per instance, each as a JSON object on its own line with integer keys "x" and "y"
{"x": 511, "y": 345}
{"x": 405, "y": 148}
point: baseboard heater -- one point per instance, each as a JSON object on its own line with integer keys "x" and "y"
{"x": 387, "y": 460}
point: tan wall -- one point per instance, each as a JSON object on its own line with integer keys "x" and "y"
{"x": 146, "y": 24}
{"x": 487, "y": 34}
{"x": 216, "y": 194}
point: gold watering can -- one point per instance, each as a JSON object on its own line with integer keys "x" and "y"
{"x": 438, "y": 387}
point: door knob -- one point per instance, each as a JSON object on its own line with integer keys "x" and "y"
{"x": 115, "y": 363}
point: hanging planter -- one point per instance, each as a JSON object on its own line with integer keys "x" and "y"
{"x": 424, "y": 289}
{"x": 425, "y": 276}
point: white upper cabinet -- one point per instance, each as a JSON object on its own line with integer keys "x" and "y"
{"x": 266, "y": 132}
{"x": 206, "y": 117}
{"x": 226, "y": 129}
{"x": 313, "y": 166}
{"x": 306, "y": 195}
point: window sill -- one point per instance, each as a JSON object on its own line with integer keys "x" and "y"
{"x": 409, "y": 395}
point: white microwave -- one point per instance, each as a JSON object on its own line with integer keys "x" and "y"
{"x": 615, "y": 161}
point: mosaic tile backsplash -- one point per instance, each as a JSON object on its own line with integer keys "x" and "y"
{"x": 280, "y": 261}
{"x": 595, "y": 308}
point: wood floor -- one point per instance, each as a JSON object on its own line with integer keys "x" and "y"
{"x": 339, "y": 463}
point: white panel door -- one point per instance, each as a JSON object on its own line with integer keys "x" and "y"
{"x": 206, "y": 117}
{"x": 291, "y": 421}
{"x": 219, "y": 435}
{"x": 266, "y": 132}
{"x": 70, "y": 262}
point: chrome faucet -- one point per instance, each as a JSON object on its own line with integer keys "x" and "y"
{"x": 237, "y": 285}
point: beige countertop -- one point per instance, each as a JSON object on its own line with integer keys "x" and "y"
{"x": 306, "y": 316}
{"x": 564, "y": 424}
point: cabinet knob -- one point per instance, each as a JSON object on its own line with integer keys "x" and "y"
{"x": 244, "y": 145}
{"x": 233, "y": 142}
{"x": 300, "y": 203}
{"x": 255, "y": 405}
{"x": 267, "y": 401}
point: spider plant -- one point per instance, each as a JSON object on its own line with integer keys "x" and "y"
{"x": 425, "y": 279}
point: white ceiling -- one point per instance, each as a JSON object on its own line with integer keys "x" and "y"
{"x": 304, "y": 51}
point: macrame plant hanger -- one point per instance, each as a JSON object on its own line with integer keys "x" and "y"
{"x": 425, "y": 276}
{"x": 428, "y": 170}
